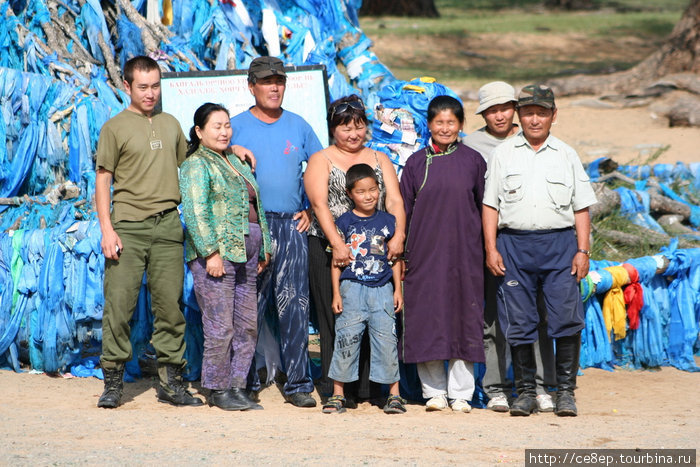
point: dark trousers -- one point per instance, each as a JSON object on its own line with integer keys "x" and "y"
{"x": 284, "y": 292}
{"x": 538, "y": 261}
{"x": 497, "y": 352}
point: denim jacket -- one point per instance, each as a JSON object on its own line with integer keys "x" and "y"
{"x": 215, "y": 206}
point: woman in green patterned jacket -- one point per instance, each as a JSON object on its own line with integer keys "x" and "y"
{"x": 227, "y": 244}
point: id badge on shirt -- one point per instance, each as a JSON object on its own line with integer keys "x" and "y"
{"x": 156, "y": 144}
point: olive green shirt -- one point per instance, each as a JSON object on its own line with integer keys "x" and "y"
{"x": 143, "y": 156}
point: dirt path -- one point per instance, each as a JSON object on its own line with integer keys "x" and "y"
{"x": 55, "y": 421}
{"x": 45, "y": 420}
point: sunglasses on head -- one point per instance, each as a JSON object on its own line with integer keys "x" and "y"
{"x": 344, "y": 106}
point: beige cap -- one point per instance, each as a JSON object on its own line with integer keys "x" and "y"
{"x": 494, "y": 93}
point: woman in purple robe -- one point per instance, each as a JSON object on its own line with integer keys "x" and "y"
{"x": 443, "y": 320}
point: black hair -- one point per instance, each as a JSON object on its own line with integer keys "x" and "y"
{"x": 356, "y": 173}
{"x": 201, "y": 117}
{"x": 141, "y": 63}
{"x": 349, "y": 114}
{"x": 442, "y": 103}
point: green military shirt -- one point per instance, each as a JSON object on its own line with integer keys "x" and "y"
{"x": 143, "y": 156}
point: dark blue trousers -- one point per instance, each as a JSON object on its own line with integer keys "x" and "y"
{"x": 284, "y": 294}
{"x": 538, "y": 260}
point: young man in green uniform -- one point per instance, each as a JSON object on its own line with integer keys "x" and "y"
{"x": 138, "y": 154}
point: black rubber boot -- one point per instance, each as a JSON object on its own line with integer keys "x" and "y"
{"x": 567, "y": 358}
{"x": 250, "y": 398}
{"x": 114, "y": 384}
{"x": 172, "y": 389}
{"x": 230, "y": 399}
{"x": 524, "y": 369}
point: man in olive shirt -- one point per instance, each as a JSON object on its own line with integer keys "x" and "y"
{"x": 138, "y": 154}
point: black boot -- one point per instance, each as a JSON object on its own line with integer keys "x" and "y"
{"x": 231, "y": 399}
{"x": 567, "y": 358}
{"x": 524, "y": 369}
{"x": 114, "y": 384}
{"x": 172, "y": 389}
{"x": 251, "y": 397}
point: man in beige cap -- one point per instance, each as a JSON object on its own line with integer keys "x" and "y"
{"x": 536, "y": 236}
{"x": 497, "y": 107}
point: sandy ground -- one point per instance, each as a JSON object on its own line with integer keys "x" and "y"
{"x": 54, "y": 421}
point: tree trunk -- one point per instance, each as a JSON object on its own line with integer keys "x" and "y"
{"x": 570, "y": 4}
{"x": 679, "y": 54}
{"x": 422, "y": 8}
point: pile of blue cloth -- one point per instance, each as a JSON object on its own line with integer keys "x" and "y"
{"x": 53, "y": 104}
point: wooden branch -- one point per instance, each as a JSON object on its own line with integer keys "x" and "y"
{"x": 41, "y": 45}
{"x": 617, "y": 175}
{"x": 61, "y": 114}
{"x": 51, "y": 39}
{"x": 16, "y": 224}
{"x": 646, "y": 236}
{"x": 609, "y": 200}
{"x": 14, "y": 201}
{"x": 82, "y": 51}
{"x": 151, "y": 38}
{"x": 673, "y": 224}
{"x": 112, "y": 68}
{"x": 662, "y": 204}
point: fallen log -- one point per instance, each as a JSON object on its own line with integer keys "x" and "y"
{"x": 609, "y": 200}
{"x": 645, "y": 237}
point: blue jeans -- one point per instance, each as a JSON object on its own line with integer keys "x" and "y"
{"x": 366, "y": 308}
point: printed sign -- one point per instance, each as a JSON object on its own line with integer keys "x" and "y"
{"x": 306, "y": 94}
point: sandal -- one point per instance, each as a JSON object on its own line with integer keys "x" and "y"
{"x": 395, "y": 404}
{"x": 334, "y": 404}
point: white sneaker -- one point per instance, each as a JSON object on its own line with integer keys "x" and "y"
{"x": 498, "y": 404}
{"x": 544, "y": 403}
{"x": 460, "y": 405}
{"x": 436, "y": 403}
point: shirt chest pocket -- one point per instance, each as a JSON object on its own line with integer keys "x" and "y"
{"x": 513, "y": 186}
{"x": 560, "y": 186}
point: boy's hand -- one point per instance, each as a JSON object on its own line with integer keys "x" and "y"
{"x": 398, "y": 301}
{"x": 337, "y": 305}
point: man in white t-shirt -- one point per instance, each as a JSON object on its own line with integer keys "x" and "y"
{"x": 497, "y": 107}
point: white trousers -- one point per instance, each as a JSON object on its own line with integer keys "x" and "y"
{"x": 458, "y": 383}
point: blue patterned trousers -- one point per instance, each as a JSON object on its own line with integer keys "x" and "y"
{"x": 284, "y": 293}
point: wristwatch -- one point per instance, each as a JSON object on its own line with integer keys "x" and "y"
{"x": 585, "y": 252}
